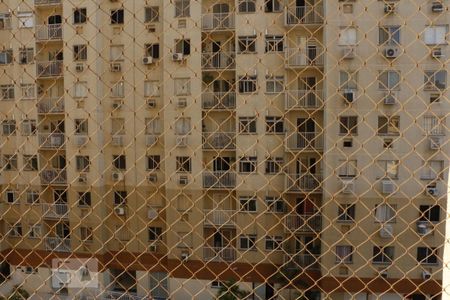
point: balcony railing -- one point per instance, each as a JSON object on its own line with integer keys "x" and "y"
{"x": 302, "y": 261}
{"x": 47, "y": 2}
{"x": 55, "y": 210}
{"x": 49, "y": 68}
{"x": 219, "y": 253}
{"x": 304, "y": 57}
{"x": 304, "y": 182}
{"x": 303, "y": 99}
{"x": 51, "y": 140}
{"x": 303, "y": 223}
{"x": 53, "y": 176}
{"x": 219, "y": 140}
{"x": 215, "y": 217}
{"x": 218, "y": 21}
{"x": 51, "y": 106}
{"x": 114, "y": 295}
{"x": 219, "y": 179}
{"x": 309, "y": 14}
{"x": 218, "y": 60}
{"x": 49, "y": 32}
{"x": 219, "y": 100}
{"x": 57, "y": 244}
{"x": 304, "y": 140}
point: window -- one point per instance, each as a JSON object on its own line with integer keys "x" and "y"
{"x": 26, "y": 55}
{"x": 153, "y": 162}
{"x": 5, "y": 21}
{"x": 346, "y": 212}
{"x": 389, "y": 80}
{"x": 348, "y": 80}
{"x": 432, "y": 169}
{"x": 183, "y": 46}
{"x": 28, "y": 91}
{"x": 347, "y": 36}
{"x": 82, "y": 163}
{"x": 433, "y": 125}
{"x": 216, "y": 285}
{"x": 120, "y": 198}
{"x": 151, "y": 14}
{"x": 247, "y": 84}
{"x": 35, "y": 231}
{"x": 385, "y": 213}
{"x": 344, "y": 254}
{"x": 348, "y": 168}
{"x": 275, "y": 204}
{"x": 9, "y": 162}
{"x": 117, "y": 16}
{"x": 427, "y": 255}
{"x": 84, "y": 199}
{"x": 247, "y": 204}
{"x": 273, "y": 243}
{"x": 274, "y": 43}
{"x": 30, "y": 163}
{"x": 272, "y": 6}
{"x": 389, "y": 168}
{"x": 79, "y": 16}
{"x": 117, "y": 126}
{"x": 247, "y": 242}
{"x": 435, "y": 35}
{"x": 389, "y": 35}
{"x": 247, "y": 164}
{"x": 274, "y": 125}
{"x": 435, "y": 80}
{"x": 118, "y": 89}
{"x": 119, "y": 162}
{"x": 7, "y": 91}
{"x": 182, "y": 8}
{"x": 247, "y": 44}
{"x": 183, "y": 126}
{"x": 116, "y": 53}
{"x": 151, "y": 88}
{"x": 383, "y": 255}
{"x": 26, "y": 19}
{"x": 154, "y": 233}
{"x": 152, "y": 126}
{"x": 389, "y": 125}
{"x": 86, "y": 234}
{"x": 81, "y": 126}
{"x": 6, "y": 56}
{"x": 8, "y": 127}
{"x": 430, "y": 213}
{"x": 183, "y": 164}
{"x": 15, "y": 230}
{"x": 274, "y": 165}
{"x": 79, "y": 52}
{"x": 32, "y": 197}
{"x": 274, "y": 84}
{"x": 80, "y": 90}
{"x": 182, "y": 86}
{"x": 247, "y": 6}
{"x": 247, "y": 125}
{"x": 152, "y": 50}
{"x": 11, "y": 196}
{"x": 348, "y": 125}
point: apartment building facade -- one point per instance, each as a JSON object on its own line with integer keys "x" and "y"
{"x": 299, "y": 147}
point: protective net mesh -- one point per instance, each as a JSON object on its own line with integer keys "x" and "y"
{"x": 222, "y": 149}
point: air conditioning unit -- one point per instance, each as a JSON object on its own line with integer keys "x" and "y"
{"x": 153, "y": 248}
{"x": 116, "y": 67}
{"x": 437, "y": 53}
{"x": 151, "y": 103}
{"x": 386, "y": 231}
{"x": 423, "y": 228}
{"x": 390, "y": 98}
{"x": 152, "y": 178}
{"x": 82, "y": 178}
{"x": 349, "y": 95}
{"x": 150, "y": 27}
{"x": 81, "y": 140}
{"x": 387, "y": 186}
{"x": 79, "y": 67}
{"x": 426, "y": 275}
{"x": 119, "y": 210}
{"x": 181, "y": 141}
{"x": 117, "y": 104}
{"x": 383, "y": 273}
{"x": 148, "y": 60}
{"x": 184, "y": 256}
{"x": 183, "y": 180}
{"x": 56, "y": 140}
{"x": 177, "y": 57}
{"x": 432, "y": 191}
{"x": 391, "y": 52}
{"x": 348, "y": 186}
{"x": 435, "y": 143}
{"x": 117, "y": 176}
{"x": 437, "y": 7}
{"x": 348, "y": 53}
{"x": 152, "y": 213}
{"x": 389, "y": 8}
{"x": 181, "y": 102}
{"x": 117, "y": 140}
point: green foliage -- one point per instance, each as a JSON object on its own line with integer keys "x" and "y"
{"x": 230, "y": 291}
{"x": 18, "y": 294}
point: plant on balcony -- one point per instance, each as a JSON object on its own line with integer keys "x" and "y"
{"x": 230, "y": 291}
{"x": 18, "y": 294}
{"x": 288, "y": 278}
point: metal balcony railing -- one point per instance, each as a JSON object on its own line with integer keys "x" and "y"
{"x": 51, "y": 106}
{"x": 219, "y": 253}
{"x": 304, "y": 15}
{"x": 47, "y": 2}
{"x": 303, "y": 223}
{"x": 219, "y": 140}
{"x": 57, "y": 244}
{"x": 306, "y": 182}
{"x": 304, "y": 140}
{"x": 49, "y": 32}
{"x": 302, "y": 261}
{"x": 304, "y": 57}
{"x": 51, "y": 140}
{"x": 53, "y": 176}
{"x": 215, "y": 217}
{"x": 55, "y": 210}
{"x": 303, "y": 99}
{"x": 115, "y": 295}
{"x": 49, "y": 68}
{"x": 219, "y": 179}
{"x": 219, "y": 100}
{"x": 218, "y": 60}
{"x": 218, "y": 21}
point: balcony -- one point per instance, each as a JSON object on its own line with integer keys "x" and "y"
{"x": 219, "y": 100}
{"x": 303, "y": 99}
{"x": 219, "y": 254}
{"x": 304, "y": 141}
{"x": 57, "y": 244}
{"x": 218, "y": 60}
{"x": 112, "y": 295}
{"x": 219, "y": 140}
{"x": 51, "y": 32}
{"x": 219, "y": 179}
{"x": 304, "y": 15}
{"x": 46, "y": 2}
{"x": 304, "y": 57}
{"x": 51, "y": 106}
{"x": 303, "y": 223}
{"x": 49, "y": 69}
{"x": 53, "y": 176}
{"x": 302, "y": 261}
{"x": 55, "y": 211}
{"x": 51, "y": 140}
{"x": 214, "y": 217}
{"x": 218, "y": 21}
{"x": 307, "y": 182}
